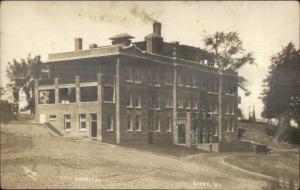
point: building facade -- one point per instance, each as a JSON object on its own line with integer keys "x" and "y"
{"x": 138, "y": 92}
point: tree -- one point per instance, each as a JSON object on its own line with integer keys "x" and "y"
{"x": 21, "y": 74}
{"x": 281, "y": 94}
{"x": 229, "y": 53}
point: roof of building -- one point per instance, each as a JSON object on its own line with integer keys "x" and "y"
{"x": 122, "y": 35}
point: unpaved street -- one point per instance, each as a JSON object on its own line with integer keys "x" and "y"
{"x": 43, "y": 161}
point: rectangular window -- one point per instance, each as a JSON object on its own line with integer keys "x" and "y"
{"x": 82, "y": 121}
{"x": 88, "y": 94}
{"x": 67, "y": 95}
{"x": 138, "y": 122}
{"x": 67, "y": 122}
{"x": 232, "y": 126}
{"x": 180, "y": 102}
{"x": 195, "y": 103}
{"x": 157, "y": 103}
{"x": 157, "y": 124}
{"x": 109, "y": 93}
{"x": 188, "y": 103}
{"x": 52, "y": 117}
{"x": 110, "y": 122}
{"x": 47, "y": 96}
{"x": 188, "y": 84}
{"x": 129, "y": 100}
{"x": 151, "y": 101}
{"x": 194, "y": 82}
{"x": 180, "y": 81}
{"x": 169, "y": 77}
{"x": 216, "y": 90}
{"x": 129, "y": 74}
{"x": 215, "y": 108}
{"x": 227, "y": 109}
{"x": 156, "y": 79}
{"x": 138, "y": 101}
{"x": 227, "y": 125}
{"x": 169, "y": 124}
{"x": 169, "y": 101}
{"x": 129, "y": 122}
{"x": 137, "y": 75}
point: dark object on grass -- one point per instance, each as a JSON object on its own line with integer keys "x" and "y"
{"x": 261, "y": 149}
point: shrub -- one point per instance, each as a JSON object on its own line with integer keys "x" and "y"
{"x": 5, "y": 112}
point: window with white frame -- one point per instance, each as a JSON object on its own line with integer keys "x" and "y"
{"x": 151, "y": 101}
{"x": 157, "y": 124}
{"x": 138, "y": 101}
{"x": 129, "y": 100}
{"x": 194, "y": 82}
{"x": 216, "y": 131}
{"x": 195, "y": 103}
{"x": 157, "y": 103}
{"x": 188, "y": 82}
{"x": 188, "y": 103}
{"x": 129, "y": 122}
{"x": 169, "y": 124}
{"x": 169, "y": 101}
{"x": 82, "y": 122}
{"x": 215, "y": 108}
{"x": 137, "y": 75}
{"x": 157, "y": 79}
{"x": 216, "y": 87}
{"x": 110, "y": 122}
{"x": 180, "y": 102}
{"x": 232, "y": 126}
{"x": 67, "y": 122}
{"x": 227, "y": 125}
{"x": 129, "y": 74}
{"x": 232, "y": 110}
{"x": 179, "y": 78}
{"x": 227, "y": 109}
{"x": 169, "y": 77}
{"x": 138, "y": 122}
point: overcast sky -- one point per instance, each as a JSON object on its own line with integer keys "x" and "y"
{"x": 40, "y": 28}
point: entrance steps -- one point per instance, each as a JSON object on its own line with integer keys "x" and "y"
{"x": 54, "y": 131}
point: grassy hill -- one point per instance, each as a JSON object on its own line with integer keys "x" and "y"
{"x": 264, "y": 133}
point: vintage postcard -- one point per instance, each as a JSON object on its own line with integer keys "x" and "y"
{"x": 150, "y": 95}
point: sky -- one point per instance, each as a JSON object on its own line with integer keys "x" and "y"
{"x": 40, "y": 28}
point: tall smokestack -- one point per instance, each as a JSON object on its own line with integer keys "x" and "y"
{"x": 157, "y": 28}
{"x": 78, "y": 44}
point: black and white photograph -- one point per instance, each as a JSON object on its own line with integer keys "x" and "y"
{"x": 150, "y": 95}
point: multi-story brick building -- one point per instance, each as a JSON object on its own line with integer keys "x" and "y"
{"x": 138, "y": 92}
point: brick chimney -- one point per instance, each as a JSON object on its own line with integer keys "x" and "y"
{"x": 154, "y": 41}
{"x": 78, "y": 44}
{"x": 157, "y": 28}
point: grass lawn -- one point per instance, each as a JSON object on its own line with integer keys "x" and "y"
{"x": 282, "y": 165}
{"x": 256, "y": 132}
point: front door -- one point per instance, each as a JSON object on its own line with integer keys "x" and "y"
{"x": 93, "y": 125}
{"x": 181, "y": 133}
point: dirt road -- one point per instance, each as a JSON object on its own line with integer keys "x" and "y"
{"x": 51, "y": 162}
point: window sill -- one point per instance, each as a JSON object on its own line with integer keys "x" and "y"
{"x": 129, "y": 80}
{"x": 181, "y": 85}
{"x": 108, "y": 102}
{"x": 168, "y": 84}
{"x": 82, "y": 130}
{"x": 138, "y": 82}
{"x": 169, "y": 131}
{"x": 46, "y": 104}
{"x": 157, "y": 85}
{"x": 157, "y": 109}
{"x": 129, "y": 130}
{"x": 67, "y": 130}
{"x": 139, "y": 130}
{"x": 139, "y": 107}
{"x": 110, "y": 130}
{"x": 129, "y": 107}
{"x": 157, "y": 131}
